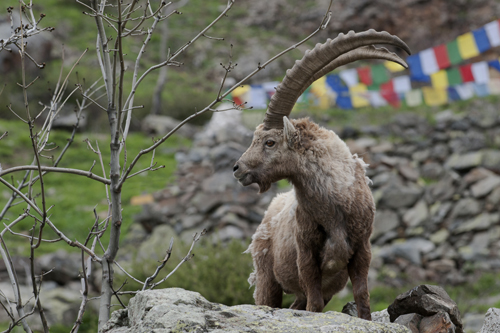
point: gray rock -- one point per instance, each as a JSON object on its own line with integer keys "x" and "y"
{"x": 464, "y": 161}
{"x": 381, "y": 316}
{"x": 426, "y": 300}
{"x": 416, "y": 215}
{"x": 491, "y": 159}
{"x": 432, "y": 170}
{"x": 485, "y": 186}
{"x": 385, "y": 221}
{"x": 161, "y": 125}
{"x": 466, "y": 207}
{"x": 401, "y": 196}
{"x": 494, "y": 198}
{"x": 410, "y": 250}
{"x": 350, "y": 309}
{"x": 441, "y": 266}
{"x": 491, "y": 321}
{"x": 65, "y": 266}
{"x": 440, "y": 322}
{"x": 175, "y": 309}
{"x": 480, "y": 222}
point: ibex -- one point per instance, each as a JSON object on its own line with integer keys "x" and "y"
{"x": 315, "y": 237}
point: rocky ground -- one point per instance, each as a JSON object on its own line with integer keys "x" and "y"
{"x": 424, "y": 309}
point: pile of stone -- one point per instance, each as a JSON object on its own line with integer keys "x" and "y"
{"x": 437, "y": 191}
{"x": 436, "y": 186}
{"x": 205, "y": 194}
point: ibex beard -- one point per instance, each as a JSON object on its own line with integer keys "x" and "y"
{"x": 315, "y": 237}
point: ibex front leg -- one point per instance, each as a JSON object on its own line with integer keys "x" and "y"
{"x": 309, "y": 267}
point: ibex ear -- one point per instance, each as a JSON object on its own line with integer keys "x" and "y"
{"x": 289, "y": 131}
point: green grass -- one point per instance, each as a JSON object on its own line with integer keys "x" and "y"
{"x": 73, "y": 196}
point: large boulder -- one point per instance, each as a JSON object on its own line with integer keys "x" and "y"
{"x": 427, "y": 301}
{"x": 491, "y": 321}
{"x": 179, "y": 310}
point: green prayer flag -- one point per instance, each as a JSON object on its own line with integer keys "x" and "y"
{"x": 379, "y": 74}
{"x": 453, "y": 52}
{"x": 454, "y": 77}
{"x": 374, "y": 87}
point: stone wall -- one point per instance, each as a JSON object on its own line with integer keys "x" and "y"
{"x": 435, "y": 183}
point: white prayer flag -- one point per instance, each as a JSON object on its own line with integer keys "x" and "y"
{"x": 376, "y": 99}
{"x": 466, "y": 90}
{"x": 493, "y": 33}
{"x": 401, "y": 84}
{"x": 258, "y": 97}
{"x": 429, "y": 62}
{"x": 480, "y": 72}
{"x": 350, "y": 77}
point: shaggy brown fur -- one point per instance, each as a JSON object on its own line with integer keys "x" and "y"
{"x": 315, "y": 237}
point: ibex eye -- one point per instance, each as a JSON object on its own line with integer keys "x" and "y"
{"x": 270, "y": 143}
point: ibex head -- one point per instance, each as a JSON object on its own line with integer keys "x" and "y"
{"x": 270, "y": 156}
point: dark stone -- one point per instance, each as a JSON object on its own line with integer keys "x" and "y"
{"x": 351, "y": 309}
{"x": 440, "y": 322}
{"x": 426, "y": 300}
{"x": 410, "y": 320}
{"x": 65, "y": 266}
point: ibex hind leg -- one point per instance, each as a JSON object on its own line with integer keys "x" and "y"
{"x": 358, "y": 272}
{"x": 267, "y": 290}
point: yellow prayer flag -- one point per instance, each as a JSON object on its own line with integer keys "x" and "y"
{"x": 467, "y": 46}
{"x": 413, "y": 97}
{"x": 433, "y": 97}
{"x": 440, "y": 80}
{"x": 393, "y": 67}
{"x": 359, "y": 95}
{"x": 241, "y": 90}
{"x": 318, "y": 89}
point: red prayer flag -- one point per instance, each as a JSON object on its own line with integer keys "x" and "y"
{"x": 388, "y": 93}
{"x": 466, "y": 73}
{"x": 365, "y": 75}
{"x": 441, "y": 53}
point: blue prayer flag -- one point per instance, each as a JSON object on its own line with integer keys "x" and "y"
{"x": 481, "y": 38}
{"x": 416, "y": 72}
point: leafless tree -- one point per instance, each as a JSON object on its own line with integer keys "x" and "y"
{"x": 115, "y": 21}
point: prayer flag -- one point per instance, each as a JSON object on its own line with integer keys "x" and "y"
{"x": 258, "y": 97}
{"x": 494, "y": 86}
{"x": 454, "y": 76}
{"x": 319, "y": 89}
{"x": 441, "y": 53}
{"x": 379, "y": 74}
{"x": 481, "y": 38}
{"x": 359, "y": 96}
{"x": 365, "y": 75}
{"x": 467, "y": 46}
{"x": 388, "y": 93}
{"x": 494, "y": 64}
{"x": 240, "y": 95}
{"x": 429, "y": 62}
{"x": 376, "y": 99}
{"x": 466, "y": 73}
{"x": 481, "y": 89}
{"x": 413, "y": 97}
{"x": 480, "y": 72}
{"x": 434, "y": 97}
{"x": 344, "y": 99}
{"x": 416, "y": 68}
{"x": 401, "y": 84}
{"x": 453, "y": 52}
{"x": 349, "y": 76}
{"x": 465, "y": 90}
{"x": 335, "y": 83}
{"x": 393, "y": 67}
{"x": 440, "y": 80}
{"x": 493, "y": 32}
{"x": 453, "y": 94}
{"x": 270, "y": 88}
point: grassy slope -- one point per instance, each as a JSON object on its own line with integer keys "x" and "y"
{"x": 74, "y": 197}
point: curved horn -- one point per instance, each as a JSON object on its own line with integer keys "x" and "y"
{"x": 322, "y": 59}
